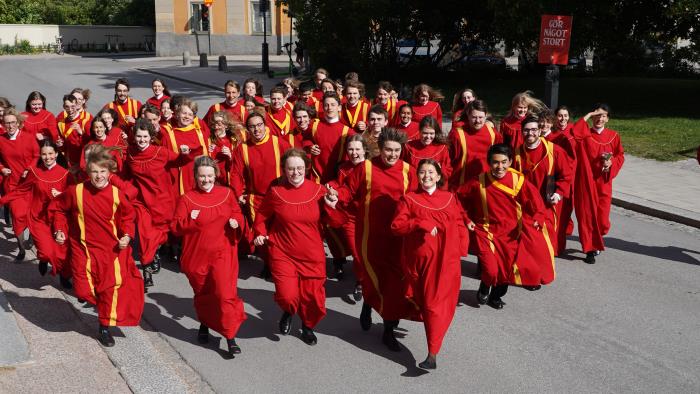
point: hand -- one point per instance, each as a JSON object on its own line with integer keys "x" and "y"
{"x": 39, "y": 137}
{"x": 434, "y": 231}
{"x": 60, "y": 237}
{"x": 471, "y": 226}
{"x": 55, "y": 193}
{"x": 24, "y": 174}
{"x": 332, "y": 192}
{"x": 77, "y": 128}
{"x": 243, "y": 199}
{"x": 59, "y": 142}
{"x": 233, "y": 223}
{"x": 124, "y": 241}
{"x": 129, "y": 119}
{"x": 226, "y": 151}
{"x": 185, "y": 150}
{"x": 331, "y": 201}
{"x": 537, "y": 225}
{"x": 315, "y": 150}
{"x": 260, "y": 240}
{"x": 6, "y": 171}
{"x": 606, "y": 165}
{"x": 194, "y": 214}
{"x": 554, "y": 198}
{"x": 361, "y": 126}
{"x": 597, "y": 112}
{"x": 125, "y": 136}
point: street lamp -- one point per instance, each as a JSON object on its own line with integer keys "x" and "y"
{"x": 264, "y": 8}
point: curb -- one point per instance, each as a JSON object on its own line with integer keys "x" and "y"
{"x": 657, "y": 210}
{"x": 206, "y": 85}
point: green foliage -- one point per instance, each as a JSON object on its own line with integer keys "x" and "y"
{"x": 79, "y": 12}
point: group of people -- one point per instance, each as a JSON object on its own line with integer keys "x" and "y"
{"x": 378, "y": 180}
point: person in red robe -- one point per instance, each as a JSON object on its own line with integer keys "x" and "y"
{"x": 406, "y": 123}
{"x": 43, "y": 183}
{"x": 37, "y": 120}
{"x": 147, "y": 169}
{"x": 254, "y": 88}
{"x": 307, "y": 97}
{"x": 376, "y": 186}
{"x": 208, "y": 218}
{"x": 73, "y": 132}
{"x": 325, "y": 141}
{"x": 431, "y": 145}
{"x": 562, "y": 123}
{"x": 96, "y": 220}
{"x": 599, "y": 158}
{"x": 109, "y": 116}
{"x": 459, "y": 107}
{"x": 565, "y": 140}
{"x": 426, "y": 103}
{"x": 508, "y": 241}
{"x": 354, "y": 111}
{"x": 434, "y": 230}
{"x": 18, "y": 152}
{"x": 547, "y": 167}
{"x": 233, "y": 104}
{"x": 153, "y": 115}
{"x": 320, "y": 76}
{"x": 4, "y": 105}
{"x": 304, "y": 119}
{"x": 223, "y": 141}
{"x": 469, "y": 145}
{"x": 127, "y": 108}
{"x": 190, "y": 133}
{"x": 289, "y": 221}
{"x": 255, "y": 166}
{"x": 160, "y": 92}
{"x": 166, "y": 113}
{"x": 522, "y": 104}
{"x": 113, "y": 140}
{"x": 277, "y": 118}
{"x": 390, "y": 104}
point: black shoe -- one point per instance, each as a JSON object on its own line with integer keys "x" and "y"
{"x": 389, "y": 339}
{"x": 482, "y": 295}
{"x": 496, "y": 303}
{"x": 429, "y": 363}
{"x": 366, "y": 317}
{"x": 147, "y": 278}
{"x": 20, "y": 256}
{"x": 203, "y": 334}
{"x": 105, "y": 337}
{"x": 81, "y": 301}
{"x": 43, "y": 267}
{"x": 233, "y": 347}
{"x": 338, "y": 266}
{"x": 265, "y": 273}
{"x": 308, "y": 336}
{"x": 65, "y": 283}
{"x": 155, "y": 265}
{"x": 357, "y": 293}
{"x": 286, "y": 323}
{"x": 590, "y": 258}
{"x": 532, "y": 288}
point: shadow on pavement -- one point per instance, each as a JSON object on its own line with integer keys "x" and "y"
{"x": 671, "y": 253}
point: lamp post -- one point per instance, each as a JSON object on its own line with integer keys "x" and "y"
{"x": 264, "y": 8}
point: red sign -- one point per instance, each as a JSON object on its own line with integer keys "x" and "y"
{"x": 208, "y": 3}
{"x": 555, "y": 37}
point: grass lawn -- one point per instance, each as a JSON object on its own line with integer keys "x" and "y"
{"x": 657, "y": 118}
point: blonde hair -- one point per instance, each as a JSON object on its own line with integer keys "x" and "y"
{"x": 534, "y": 106}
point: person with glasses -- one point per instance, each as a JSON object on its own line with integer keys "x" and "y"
{"x": 128, "y": 109}
{"x": 73, "y": 132}
{"x": 18, "y": 152}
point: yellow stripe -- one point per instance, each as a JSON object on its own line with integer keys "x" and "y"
{"x": 117, "y": 268}
{"x": 81, "y": 223}
{"x": 518, "y": 208}
{"x": 550, "y": 249}
{"x": 463, "y": 142}
{"x": 516, "y": 275}
{"x": 485, "y": 209}
{"x": 343, "y": 137}
{"x": 492, "y": 133}
{"x": 365, "y": 234}
{"x": 173, "y": 141}
{"x": 276, "y": 149}
{"x": 251, "y": 198}
{"x": 200, "y": 137}
{"x": 406, "y": 170}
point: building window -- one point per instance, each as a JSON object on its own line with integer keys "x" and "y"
{"x": 256, "y": 16}
{"x": 200, "y": 18}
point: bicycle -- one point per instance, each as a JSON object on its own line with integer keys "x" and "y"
{"x": 60, "y": 49}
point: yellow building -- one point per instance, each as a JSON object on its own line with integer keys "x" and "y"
{"x": 233, "y": 26}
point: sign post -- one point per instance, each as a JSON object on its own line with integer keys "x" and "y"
{"x": 264, "y": 9}
{"x": 208, "y": 4}
{"x": 555, "y": 38}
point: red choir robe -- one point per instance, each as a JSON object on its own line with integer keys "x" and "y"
{"x": 376, "y": 188}
{"x": 156, "y": 102}
{"x": 351, "y": 116}
{"x": 593, "y": 187}
{"x": 341, "y": 238}
{"x": 411, "y": 129}
{"x": 196, "y": 138}
{"x": 318, "y": 95}
{"x": 510, "y": 249}
{"x": 547, "y": 167}
{"x": 279, "y": 122}
{"x": 468, "y": 149}
{"x": 35, "y": 189}
{"x": 295, "y": 137}
{"x": 255, "y": 166}
{"x": 330, "y": 138}
{"x": 224, "y": 161}
{"x": 291, "y": 218}
{"x": 210, "y": 256}
{"x": 431, "y": 264}
{"x": 148, "y": 172}
{"x": 17, "y": 155}
{"x": 43, "y": 123}
{"x": 511, "y": 129}
{"x": 129, "y": 107}
{"x": 73, "y": 141}
{"x": 392, "y": 108}
{"x": 415, "y": 151}
{"x": 237, "y": 111}
{"x": 112, "y": 140}
{"x": 94, "y": 220}
{"x": 431, "y": 108}
{"x": 315, "y": 103}
{"x": 565, "y": 227}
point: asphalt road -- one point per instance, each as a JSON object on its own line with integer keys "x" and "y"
{"x": 630, "y": 323}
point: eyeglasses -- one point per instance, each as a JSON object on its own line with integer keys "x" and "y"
{"x": 14, "y": 122}
{"x": 532, "y": 130}
{"x": 255, "y": 126}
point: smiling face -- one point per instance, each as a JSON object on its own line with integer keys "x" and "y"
{"x": 232, "y": 94}
{"x": 256, "y": 128}
{"x": 36, "y": 106}
{"x": 302, "y": 118}
{"x": 100, "y": 131}
{"x": 99, "y": 176}
{"x": 165, "y": 110}
{"x": 562, "y": 118}
{"x": 428, "y": 176}
{"x": 327, "y": 87}
{"x": 545, "y": 127}
{"x": 427, "y": 135}
{"x": 71, "y": 108}
{"x": 295, "y": 170}
{"x": 467, "y": 97}
{"x": 406, "y": 115}
{"x": 376, "y": 122}
{"x": 531, "y": 133}
{"x": 81, "y": 100}
{"x": 219, "y": 126}
{"x": 499, "y": 165}
{"x": 11, "y": 124}
{"x": 599, "y": 121}
{"x": 356, "y": 152}
{"x": 185, "y": 116}
{"x": 330, "y": 108}
{"x": 250, "y": 89}
{"x": 142, "y": 139}
{"x": 157, "y": 88}
{"x": 352, "y": 95}
{"x": 48, "y": 156}
{"x": 391, "y": 152}
{"x": 277, "y": 101}
{"x": 122, "y": 92}
{"x": 520, "y": 110}
{"x": 153, "y": 119}
{"x": 206, "y": 177}
{"x": 382, "y": 96}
